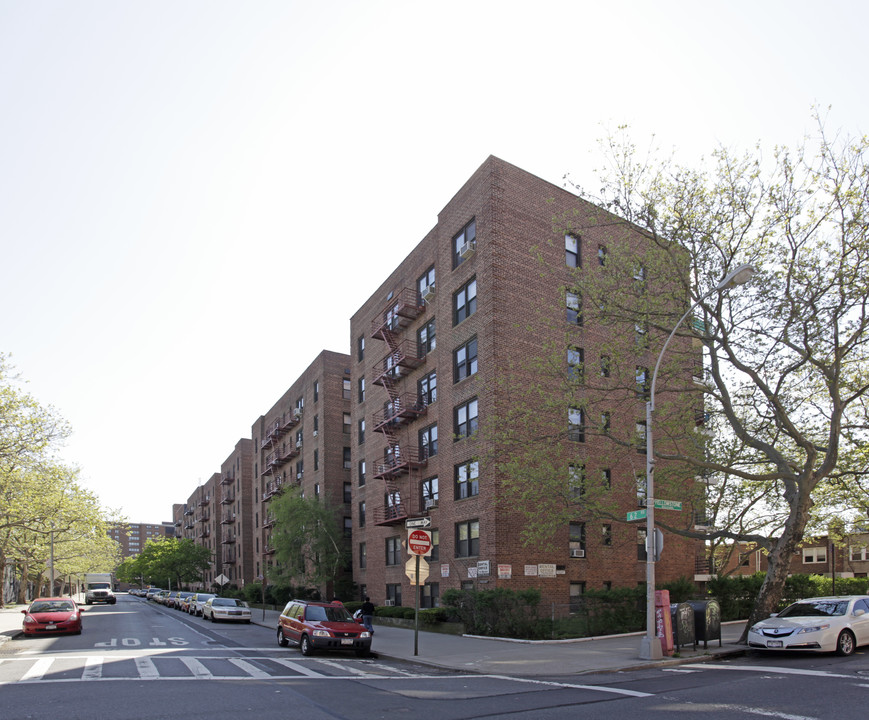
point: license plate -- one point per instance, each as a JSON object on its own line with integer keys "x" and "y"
{"x": 346, "y": 641}
{"x": 51, "y": 626}
{"x": 774, "y": 643}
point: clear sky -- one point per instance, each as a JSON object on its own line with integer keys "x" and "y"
{"x": 179, "y": 178}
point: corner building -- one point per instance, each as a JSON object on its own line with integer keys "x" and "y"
{"x": 429, "y": 349}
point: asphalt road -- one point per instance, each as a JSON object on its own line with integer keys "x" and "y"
{"x": 137, "y": 660}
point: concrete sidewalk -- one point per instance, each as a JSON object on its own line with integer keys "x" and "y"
{"x": 493, "y": 656}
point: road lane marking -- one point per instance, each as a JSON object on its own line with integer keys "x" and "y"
{"x": 301, "y": 669}
{"x": 93, "y": 668}
{"x": 197, "y": 668}
{"x": 146, "y": 668}
{"x": 249, "y": 668}
{"x": 769, "y": 669}
{"x": 38, "y": 669}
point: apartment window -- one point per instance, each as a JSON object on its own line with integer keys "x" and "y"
{"x": 642, "y": 382}
{"x": 427, "y": 279}
{"x": 363, "y": 556}
{"x": 575, "y": 363}
{"x": 426, "y": 337}
{"x": 576, "y": 540}
{"x": 300, "y": 469}
{"x": 465, "y": 301}
{"x": 348, "y": 492}
{"x": 316, "y": 424}
{"x": 347, "y": 457}
{"x": 815, "y": 555}
{"x": 435, "y": 545}
{"x": 641, "y": 544}
{"x": 573, "y": 301}
{"x": 430, "y": 492}
{"x": 604, "y": 365}
{"x": 361, "y": 473}
{"x": 392, "y": 501}
{"x": 348, "y": 527}
{"x": 393, "y": 593}
{"x": 465, "y": 416}
{"x": 465, "y": 360}
{"x": 299, "y": 437}
{"x": 576, "y": 424}
{"x": 345, "y": 393}
{"x": 606, "y": 534}
{"x": 468, "y": 538}
{"x": 857, "y": 552}
{"x": 347, "y": 423}
{"x": 362, "y": 431}
{"x": 571, "y": 251}
{"x": 362, "y": 514}
{"x": 316, "y": 390}
{"x": 601, "y": 255}
{"x": 607, "y": 478}
{"x": 576, "y": 481}
{"x": 605, "y": 423}
{"x": 316, "y": 460}
{"x": 360, "y": 348}
{"x": 641, "y": 332}
{"x": 640, "y": 482}
{"x": 428, "y": 388}
{"x": 640, "y": 276}
{"x": 429, "y": 595}
{"x": 467, "y": 478}
{"x": 393, "y": 550}
{"x": 576, "y": 591}
{"x": 428, "y": 441}
{"x": 361, "y": 393}
{"x": 466, "y": 239}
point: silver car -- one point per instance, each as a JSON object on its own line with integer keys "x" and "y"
{"x": 821, "y": 624}
{"x": 197, "y": 602}
{"x": 218, "y": 608}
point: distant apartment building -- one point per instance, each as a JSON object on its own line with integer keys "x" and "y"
{"x": 429, "y": 349}
{"x": 133, "y": 536}
{"x": 236, "y": 511}
{"x": 849, "y": 556}
{"x": 303, "y": 441}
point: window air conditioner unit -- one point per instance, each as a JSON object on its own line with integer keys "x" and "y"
{"x": 428, "y": 293}
{"x": 316, "y": 432}
{"x": 297, "y": 413}
{"x": 466, "y": 250}
{"x": 389, "y": 603}
{"x": 431, "y": 504}
{"x": 298, "y": 476}
{"x": 298, "y": 444}
{"x": 577, "y": 553}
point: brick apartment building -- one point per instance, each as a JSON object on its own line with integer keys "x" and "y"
{"x": 236, "y": 511}
{"x": 428, "y": 350}
{"x": 303, "y": 441}
{"x": 816, "y": 556}
{"x": 133, "y": 536}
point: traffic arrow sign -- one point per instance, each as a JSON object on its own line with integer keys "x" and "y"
{"x": 422, "y": 522}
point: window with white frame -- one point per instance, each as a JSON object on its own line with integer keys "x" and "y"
{"x": 814, "y": 555}
{"x": 465, "y": 301}
{"x": 571, "y": 251}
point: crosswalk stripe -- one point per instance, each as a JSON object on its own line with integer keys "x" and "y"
{"x": 93, "y": 669}
{"x": 296, "y": 667}
{"x": 197, "y": 668}
{"x": 38, "y": 669}
{"x": 249, "y": 668}
{"x": 146, "y": 668}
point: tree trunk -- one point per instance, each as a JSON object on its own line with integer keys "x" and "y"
{"x": 779, "y": 560}
{"x": 22, "y": 586}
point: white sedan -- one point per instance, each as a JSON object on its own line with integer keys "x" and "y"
{"x": 821, "y": 624}
{"x": 218, "y": 608}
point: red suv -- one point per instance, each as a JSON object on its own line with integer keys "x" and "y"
{"x": 321, "y": 626}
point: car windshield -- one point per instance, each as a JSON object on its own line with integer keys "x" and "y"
{"x": 230, "y": 602}
{"x": 821, "y": 608}
{"x": 56, "y": 606}
{"x": 332, "y": 613}
{"x": 202, "y": 597}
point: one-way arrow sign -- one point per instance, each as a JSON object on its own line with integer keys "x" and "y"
{"x": 422, "y": 522}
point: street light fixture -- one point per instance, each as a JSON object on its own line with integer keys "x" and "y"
{"x": 650, "y": 647}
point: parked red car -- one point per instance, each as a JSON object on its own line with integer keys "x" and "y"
{"x": 321, "y": 626}
{"x": 52, "y": 615}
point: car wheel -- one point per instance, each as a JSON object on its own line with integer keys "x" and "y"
{"x": 282, "y": 639}
{"x": 305, "y": 646}
{"x": 845, "y": 645}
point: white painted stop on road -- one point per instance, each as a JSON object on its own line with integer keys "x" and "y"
{"x": 419, "y": 542}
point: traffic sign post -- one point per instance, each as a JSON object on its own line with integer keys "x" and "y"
{"x": 418, "y": 544}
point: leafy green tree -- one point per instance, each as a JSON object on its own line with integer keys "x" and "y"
{"x": 778, "y": 369}
{"x": 173, "y": 561}
{"x": 309, "y": 541}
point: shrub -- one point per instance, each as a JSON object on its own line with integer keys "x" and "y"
{"x": 498, "y": 612}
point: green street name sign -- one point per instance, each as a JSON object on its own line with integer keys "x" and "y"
{"x": 636, "y": 515}
{"x": 668, "y": 505}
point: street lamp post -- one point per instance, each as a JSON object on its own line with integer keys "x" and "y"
{"x": 650, "y": 647}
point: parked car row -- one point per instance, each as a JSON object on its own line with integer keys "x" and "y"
{"x": 206, "y": 605}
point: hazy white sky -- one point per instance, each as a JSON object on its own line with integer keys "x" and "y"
{"x": 178, "y": 178}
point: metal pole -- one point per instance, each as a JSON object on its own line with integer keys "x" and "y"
{"x": 650, "y": 647}
{"x": 416, "y": 611}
